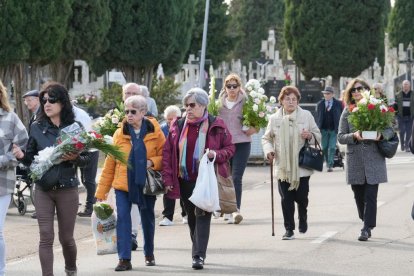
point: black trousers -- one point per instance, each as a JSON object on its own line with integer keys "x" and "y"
{"x": 366, "y": 202}
{"x": 288, "y": 199}
{"x": 198, "y": 220}
{"x": 169, "y": 208}
{"x": 88, "y": 176}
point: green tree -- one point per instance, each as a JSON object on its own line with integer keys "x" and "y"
{"x": 165, "y": 92}
{"x": 219, "y": 40}
{"x": 337, "y": 38}
{"x": 86, "y": 36}
{"x": 173, "y": 62}
{"x": 401, "y": 23}
{"x": 143, "y": 34}
{"x": 251, "y": 21}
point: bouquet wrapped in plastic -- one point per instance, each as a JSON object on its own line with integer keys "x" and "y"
{"x": 75, "y": 139}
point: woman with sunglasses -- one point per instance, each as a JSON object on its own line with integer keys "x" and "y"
{"x": 56, "y": 112}
{"x": 13, "y": 135}
{"x": 232, "y": 98}
{"x": 365, "y": 165}
{"x": 142, "y": 139}
{"x": 186, "y": 143}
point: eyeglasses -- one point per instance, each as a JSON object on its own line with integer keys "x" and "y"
{"x": 293, "y": 100}
{"x": 132, "y": 111}
{"x": 232, "y": 86}
{"x": 51, "y": 100}
{"x": 359, "y": 89}
{"x": 192, "y": 105}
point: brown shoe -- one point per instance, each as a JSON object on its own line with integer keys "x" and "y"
{"x": 123, "y": 265}
{"x": 149, "y": 261}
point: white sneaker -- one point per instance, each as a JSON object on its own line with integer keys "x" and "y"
{"x": 216, "y": 214}
{"x": 227, "y": 216}
{"x": 237, "y": 218}
{"x": 166, "y": 222}
{"x": 229, "y": 219}
{"x": 185, "y": 220}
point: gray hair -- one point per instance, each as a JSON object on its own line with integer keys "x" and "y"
{"x": 137, "y": 101}
{"x": 130, "y": 84}
{"x": 172, "y": 109}
{"x": 379, "y": 85}
{"x": 144, "y": 91}
{"x": 200, "y": 96}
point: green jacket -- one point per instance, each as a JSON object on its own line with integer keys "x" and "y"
{"x": 398, "y": 101}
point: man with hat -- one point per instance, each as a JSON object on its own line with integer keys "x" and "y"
{"x": 31, "y": 100}
{"x": 329, "y": 112}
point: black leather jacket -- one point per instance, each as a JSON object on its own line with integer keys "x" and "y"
{"x": 43, "y": 134}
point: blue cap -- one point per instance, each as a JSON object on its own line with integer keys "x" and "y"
{"x": 32, "y": 93}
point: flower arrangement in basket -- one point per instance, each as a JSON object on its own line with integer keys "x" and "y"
{"x": 75, "y": 139}
{"x": 371, "y": 114}
{"x": 108, "y": 124}
{"x": 256, "y": 108}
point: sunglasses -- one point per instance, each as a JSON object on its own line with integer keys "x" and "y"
{"x": 51, "y": 100}
{"x": 132, "y": 111}
{"x": 232, "y": 86}
{"x": 359, "y": 89}
{"x": 192, "y": 105}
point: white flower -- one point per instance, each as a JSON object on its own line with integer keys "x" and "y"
{"x": 355, "y": 109}
{"x": 363, "y": 101}
{"x": 261, "y": 114}
{"x": 249, "y": 88}
{"x": 257, "y": 101}
{"x": 264, "y": 98}
{"x": 255, "y": 107}
{"x": 272, "y": 99}
{"x": 269, "y": 108}
{"x": 44, "y": 154}
{"x": 115, "y": 120}
{"x": 261, "y": 90}
{"x": 366, "y": 94}
{"x": 253, "y": 94}
{"x": 108, "y": 139}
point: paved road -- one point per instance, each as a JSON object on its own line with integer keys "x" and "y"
{"x": 330, "y": 246}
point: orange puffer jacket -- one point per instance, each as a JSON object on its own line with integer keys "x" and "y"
{"x": 114, "y": 173}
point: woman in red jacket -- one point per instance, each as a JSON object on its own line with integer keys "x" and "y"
{"x": 185, "y": 145}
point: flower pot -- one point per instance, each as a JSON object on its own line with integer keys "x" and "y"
{"x": 369, "y": 135}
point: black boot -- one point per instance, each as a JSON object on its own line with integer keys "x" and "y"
{"x": 87, "y": 212}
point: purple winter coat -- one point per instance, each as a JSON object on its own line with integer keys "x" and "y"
{"x": 218, "y": 139}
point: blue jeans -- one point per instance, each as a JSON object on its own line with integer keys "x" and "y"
{"x": 329, "y": 146}
{"x": 238, "y": 166}
{"x": 405, "y": 125}
{"x": 123, "y": 225}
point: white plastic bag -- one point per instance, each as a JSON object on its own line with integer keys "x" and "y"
{"x": 104, "y": 230}
{"x": 205, "y": 194}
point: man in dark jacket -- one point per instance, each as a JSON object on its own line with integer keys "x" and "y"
{"x": 404, "y": 105}
{"x": 329, "y": 112}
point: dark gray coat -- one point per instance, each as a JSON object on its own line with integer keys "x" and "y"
{"x": 363, "y": 159}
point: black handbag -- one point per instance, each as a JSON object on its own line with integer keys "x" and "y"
{"x": 311, "y": 158}
{"x": 49, "y": 179}
{"x": 153, "y": 184}
{"x": 389, "y": 147}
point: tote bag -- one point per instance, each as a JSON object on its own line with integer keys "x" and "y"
{"x": 311, "y": 158}
{"x": 205, "y": 194}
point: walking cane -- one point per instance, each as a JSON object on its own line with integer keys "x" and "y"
{"x": 271, "y": 194}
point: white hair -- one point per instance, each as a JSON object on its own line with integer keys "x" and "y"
{"x": 172, "y": 109}
{"x": 144, "y": 91}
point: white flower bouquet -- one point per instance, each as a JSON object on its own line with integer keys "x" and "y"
{"x": 256, "y": 109}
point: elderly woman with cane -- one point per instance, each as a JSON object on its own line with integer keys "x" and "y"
{"x": 186, "y": 143}
{"x": 285, "y": 135}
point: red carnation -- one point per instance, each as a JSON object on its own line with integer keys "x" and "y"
{"x": 391, "y": 109}
{"x": 98, "y": 136}
{"x": 371, "y": 106}
{"x": 79, "y": 146}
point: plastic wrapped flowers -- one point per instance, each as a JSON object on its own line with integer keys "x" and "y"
{"x": 75, "y": 139}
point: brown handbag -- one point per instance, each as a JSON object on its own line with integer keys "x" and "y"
{"x": 227, "y": 193}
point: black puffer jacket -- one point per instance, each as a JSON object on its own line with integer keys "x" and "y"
{"x": 43, "y": 134}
